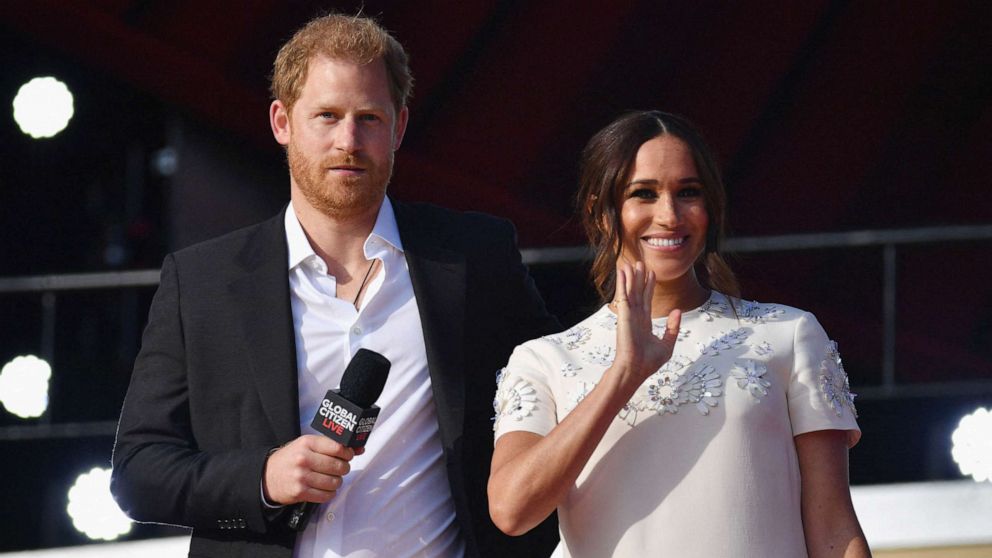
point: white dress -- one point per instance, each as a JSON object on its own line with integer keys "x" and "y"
{"x": 701, "y": 462}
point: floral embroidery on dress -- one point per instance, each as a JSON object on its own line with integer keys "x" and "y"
{"x": 755, "y": 313}
{"x": 500, "y": 378}
{"x": 748, "y": 374}
{"x": 724, "y": 342}
{"x": 675, "y": 384}
{"x": 515, "y": 398}
{"x": 628, "y": 413}
{"x": 663, "y": 386}
{"x": 763, "y": 348}
{"x": 602, "y": 355}
{"x": 834, "y": 385}
{"x": 569, "y": 369}
{"x": 713, "y": 308}
{"x": 571, "y": 338}
{"x": 609, "y": 321}
{"x": 576, "y": 397}
{"x": 658, "y": 330}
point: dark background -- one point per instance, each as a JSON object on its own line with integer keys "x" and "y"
{"x": 826, "y": 116}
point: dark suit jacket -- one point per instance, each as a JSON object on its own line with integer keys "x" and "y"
{"x": 214, "y": 386}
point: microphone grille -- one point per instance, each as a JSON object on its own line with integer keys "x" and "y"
{"x": 364, "y": 377}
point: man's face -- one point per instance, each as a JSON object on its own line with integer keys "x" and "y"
{"x": 340, "y": 136}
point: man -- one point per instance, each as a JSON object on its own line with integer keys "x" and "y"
{"x": 247, "y": 332}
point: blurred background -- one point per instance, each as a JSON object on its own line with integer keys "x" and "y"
{"x": 855, "y": 137}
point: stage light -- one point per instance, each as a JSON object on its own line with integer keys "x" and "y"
{"x": 972, "y": 445}
{"x": 93, "y": 510}
{"x": 43, "y": 107}
{"x": 24, "y": 386}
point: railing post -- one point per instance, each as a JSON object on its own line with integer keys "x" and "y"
{"x": 889, "y": 316}
{"x": 48, "y": 301}
{"x": 48, "y": 326}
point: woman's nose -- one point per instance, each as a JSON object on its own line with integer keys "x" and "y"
{"x": 666, "y": 212}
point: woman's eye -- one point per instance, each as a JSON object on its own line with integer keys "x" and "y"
{"x": 690, "y": 192}
{"x": 643, "y": 193}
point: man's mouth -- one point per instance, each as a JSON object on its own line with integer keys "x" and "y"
{"x": 347, "y": 170}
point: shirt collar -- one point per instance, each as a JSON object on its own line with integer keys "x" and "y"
{"x": 385, "y": 229}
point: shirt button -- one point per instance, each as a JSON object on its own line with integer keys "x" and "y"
{"x": 330, "y": 517}
{"x": 356, "y": 330}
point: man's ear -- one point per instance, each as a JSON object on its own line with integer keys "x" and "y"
{"x": 401, "y": 119}
{"x": 279, "y": 120}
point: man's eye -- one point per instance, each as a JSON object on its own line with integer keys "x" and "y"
{"x": 369, "y": 118}
{"x": 327, "y": 115}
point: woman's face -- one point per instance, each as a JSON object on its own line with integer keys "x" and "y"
{"x": 662, "y": 211}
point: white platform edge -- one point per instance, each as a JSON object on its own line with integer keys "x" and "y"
{"x": 911, "y": 515}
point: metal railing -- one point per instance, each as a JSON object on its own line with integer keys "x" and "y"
{"x": 887, "y": 240}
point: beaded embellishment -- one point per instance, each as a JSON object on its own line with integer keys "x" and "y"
{"x": 515, "y": 398}
{"x": 755, "y": 313}
{"x": 569, "y": 369}
{"x": 571, "y": 338}
{"x": 763, "y": 348}
{"x": 713, "y": 309}
{"x": 576, "y": 397}
{"x": 676, "y": 384}
{"x": 748, "y": 374}
{"x": 834, "y": 384}
{"x": 602, "y": 355}
{"x": 658, "y": 330}
{"x": 724, "y": 342}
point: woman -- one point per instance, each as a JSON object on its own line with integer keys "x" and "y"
{"x": 677, "y": 420}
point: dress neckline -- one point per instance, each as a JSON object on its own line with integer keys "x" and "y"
{"x": 715, "y": 299}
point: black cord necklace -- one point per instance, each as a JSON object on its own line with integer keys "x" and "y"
{"x": 362, "y": 286}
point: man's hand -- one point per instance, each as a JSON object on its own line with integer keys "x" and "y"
{"x": 308, "y": 469}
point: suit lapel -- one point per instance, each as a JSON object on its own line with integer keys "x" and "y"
{"x": 262, "y": 297}
{"x": 438, "y": 277}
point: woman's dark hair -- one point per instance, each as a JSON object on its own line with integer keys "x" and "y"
{"x": 605, "y": 169}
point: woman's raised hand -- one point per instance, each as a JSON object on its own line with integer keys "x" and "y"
{"x": 638, "y": 349}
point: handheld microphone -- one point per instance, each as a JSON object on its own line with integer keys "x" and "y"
{"x": 347, "y": 415}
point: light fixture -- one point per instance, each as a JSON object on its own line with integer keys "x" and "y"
{"x": 24, "y": 386}
{"x": 92, "y": 508}
{"x": 43, "y": 107}
{"x": 972, "y": 445}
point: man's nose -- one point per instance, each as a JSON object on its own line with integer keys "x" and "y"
{"x": 348, "y": 136}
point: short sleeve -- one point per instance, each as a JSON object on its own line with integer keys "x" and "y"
{"x": 820, "y": 397}
{"x": 524, "y": 399}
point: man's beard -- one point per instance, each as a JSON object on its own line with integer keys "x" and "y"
{"x": 339, "y": 197}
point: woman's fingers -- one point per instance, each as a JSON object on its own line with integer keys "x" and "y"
{"x": 635, "y": 290}
{"x": 648, "y": 292}
{"x": 621, "y": 291}
{"x": 672, "y": 326}
{"x": 637, "y": 283}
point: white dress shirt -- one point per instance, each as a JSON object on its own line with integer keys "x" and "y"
{"x": 396, "y": 501}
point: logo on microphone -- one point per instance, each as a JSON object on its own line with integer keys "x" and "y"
{"x": 343, "y": 421}
{"x": 337, "y": 419}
